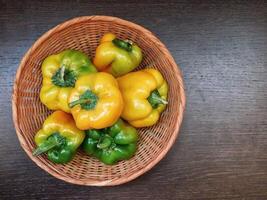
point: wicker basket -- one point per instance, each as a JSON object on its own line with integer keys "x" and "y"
{"x": 84, "y": 33}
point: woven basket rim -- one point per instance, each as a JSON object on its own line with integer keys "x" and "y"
{"x": 119, "y": 180}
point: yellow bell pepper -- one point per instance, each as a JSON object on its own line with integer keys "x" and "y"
{"x": 60, "y": 72}
{"x": 116, "y": 56}
{"x": 145, "y": 97}
{"x": 96, "y": 101}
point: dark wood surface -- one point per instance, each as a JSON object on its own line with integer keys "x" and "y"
{"x": 221, "y": 47}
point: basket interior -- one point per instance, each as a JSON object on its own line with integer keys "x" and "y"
{"x": 85, "y": 36}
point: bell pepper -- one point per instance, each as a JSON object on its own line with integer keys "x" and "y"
{"x": 96, "y": 101}
{"x": 116, "y": 56}
{"x": 145, "y": 97}
{"x": 59, "y": 137}
{"x": 60, "y": 73}
{"x": 111, "y": 144}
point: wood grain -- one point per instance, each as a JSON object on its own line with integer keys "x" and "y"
{"x": 220, "y": 46}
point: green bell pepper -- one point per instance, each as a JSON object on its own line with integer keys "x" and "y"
{"x": 59, "y": 137}
{"x": 112, "y": 144}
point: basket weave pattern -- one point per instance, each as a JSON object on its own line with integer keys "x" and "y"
{"x": 84, "y": 33}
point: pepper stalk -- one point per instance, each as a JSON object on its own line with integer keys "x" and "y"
{"x": 87, "y": 100}
{"x": 155, "y": 99}
{"x": 124, "y": 44}
{"x": 55, "y": 140}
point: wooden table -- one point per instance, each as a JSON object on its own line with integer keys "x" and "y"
{"x": 221, "y": 47}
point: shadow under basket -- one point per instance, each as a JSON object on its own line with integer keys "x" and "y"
{"x": 84, "y": 33}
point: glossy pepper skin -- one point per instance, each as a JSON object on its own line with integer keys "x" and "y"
{"x": 60, "y": 73}
{"x": 116, "y": 56}
{"x": 111, "y": 144}
{"x": 59, "y": 137}
{"x": 145, "y": 96}
{"x": 96, "y": 101}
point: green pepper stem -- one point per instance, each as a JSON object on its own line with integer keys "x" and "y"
{"x": 87, "y": 100}
{"x": 44, "y": 147}
{"x": 162, "y": 101}
{"x": 64, "y": 77}
{"x": 55, "y": 140}
{"x": 126, "y": 45}
{"x": 62, "y": 72}
{"x": 79, "y": 101}
{"x": 104, "y": 143}
{"x": 155, "y": 99}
